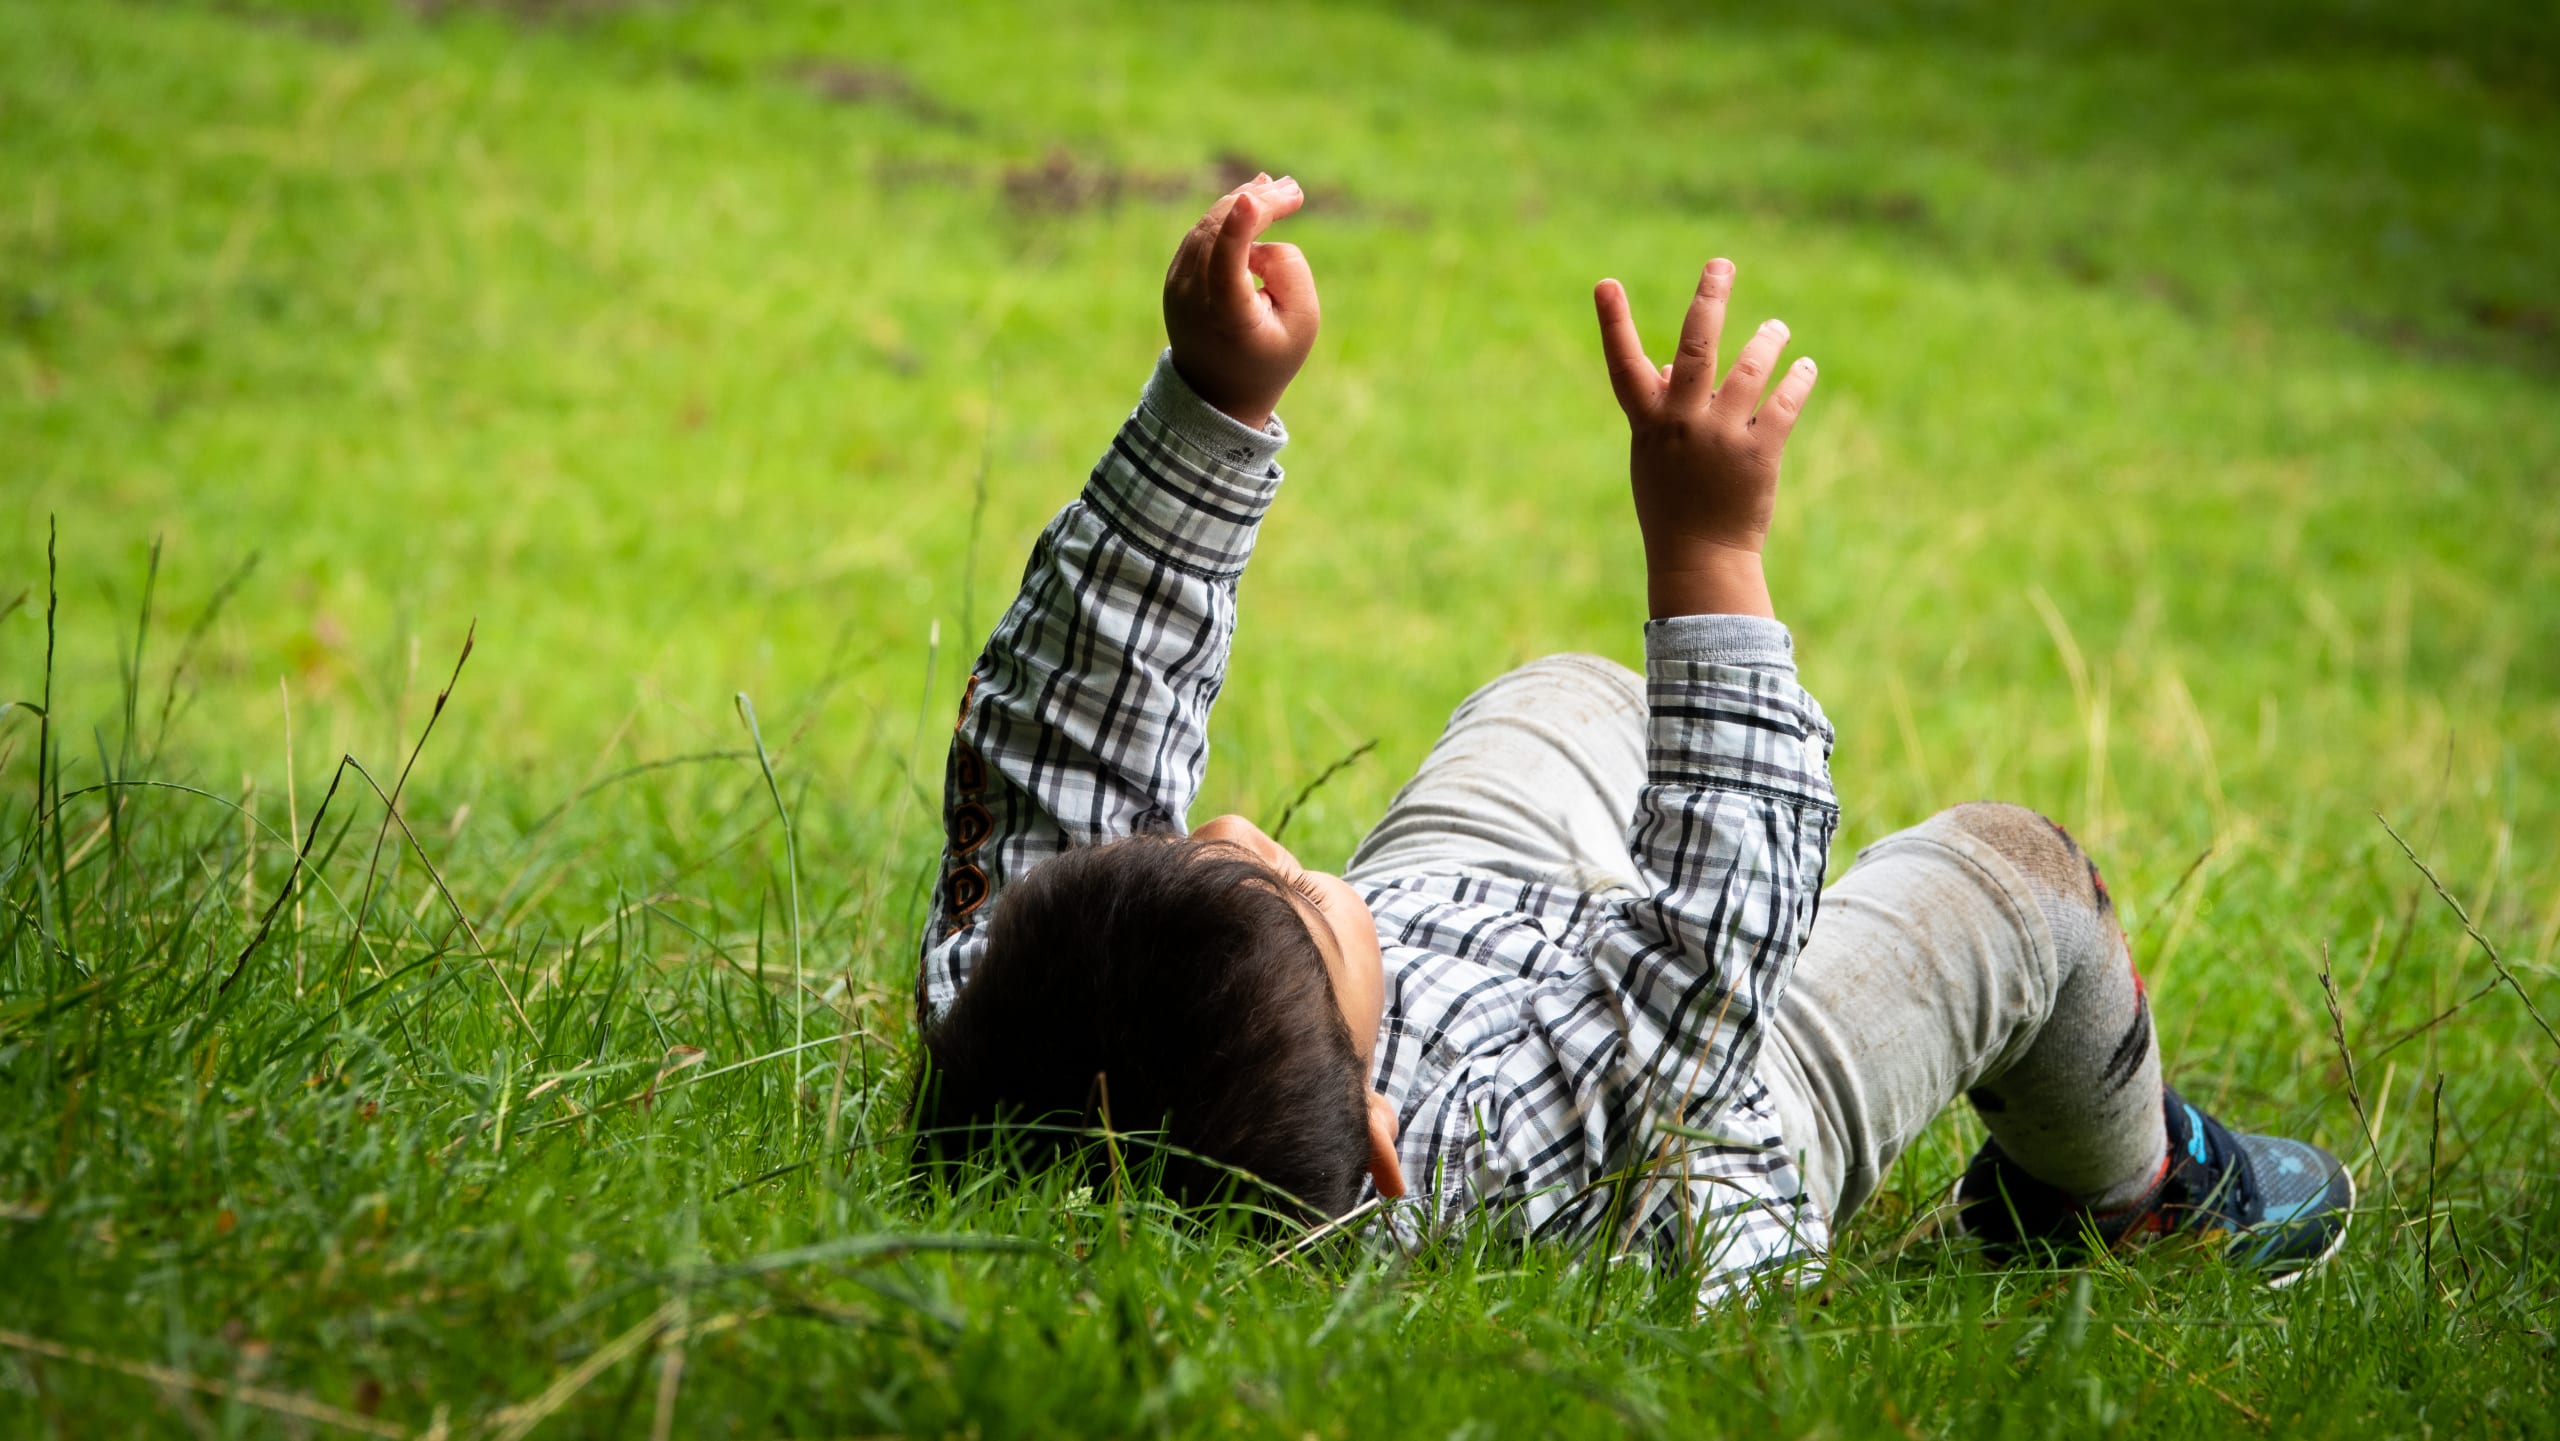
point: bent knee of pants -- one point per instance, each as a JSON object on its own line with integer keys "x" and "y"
{"x": 2059, "y": 878}
{"x": 1534, "y": 779}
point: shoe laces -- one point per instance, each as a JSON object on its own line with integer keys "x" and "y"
{"x": 2210, "y": 1185}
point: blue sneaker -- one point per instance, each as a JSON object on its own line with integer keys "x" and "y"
{"x": 2285, "y": 1204}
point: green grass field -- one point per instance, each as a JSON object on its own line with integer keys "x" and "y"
{"x": 2186, "y": 465}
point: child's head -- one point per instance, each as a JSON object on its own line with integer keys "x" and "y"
{"x": 1204, "y": 987}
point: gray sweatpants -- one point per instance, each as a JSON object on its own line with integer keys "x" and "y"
{"x": 1975, "y": 954}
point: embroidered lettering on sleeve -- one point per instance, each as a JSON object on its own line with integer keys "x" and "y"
{"x": 966, "y": 823}
{"x": 970, "y": 827}
{"x": 967, "y": 891}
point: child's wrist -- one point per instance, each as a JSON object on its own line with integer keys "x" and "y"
{"x": 1708, "y": 579}
{"x": 1250, "y": 410}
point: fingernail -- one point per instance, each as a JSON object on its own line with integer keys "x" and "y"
{"x": 1774, "y": 327}
{"x": 1719, "y": 267}
{"x": 1806, "y": 365}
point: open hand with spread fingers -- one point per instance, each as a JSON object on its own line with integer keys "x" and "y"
{"x": 1238, "y": 345}
{"x": 1703, "y": 453}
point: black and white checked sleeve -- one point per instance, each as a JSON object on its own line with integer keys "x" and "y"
{"x": 1730, "y": 836}
{"x": 1086, "y": 716}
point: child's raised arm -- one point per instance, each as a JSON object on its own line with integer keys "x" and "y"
{"x": 1730, "y": 833}
{"x": 1087, "y": 713}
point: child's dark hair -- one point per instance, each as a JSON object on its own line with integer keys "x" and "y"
{"x": 1165, "y": 986}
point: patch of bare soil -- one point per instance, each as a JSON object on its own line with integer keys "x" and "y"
{"x": 1061, "y": 184}
{"x": 547, "y": 11}
{"x": 842, "y": 82}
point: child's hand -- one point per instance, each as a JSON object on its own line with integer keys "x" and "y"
{"x": 1704, "y": 457}
{"x": 1239, "y": 346}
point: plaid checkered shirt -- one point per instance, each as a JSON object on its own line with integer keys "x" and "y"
{"x": 1575, "y": 1065}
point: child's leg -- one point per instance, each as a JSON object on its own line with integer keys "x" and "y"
{"x": 1534, "y": 780}
{"x": 1976, "y": 954}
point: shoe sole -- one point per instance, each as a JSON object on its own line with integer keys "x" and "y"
{"x": 2336, "y": 1243}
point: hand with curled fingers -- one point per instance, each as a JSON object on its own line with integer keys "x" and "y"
{"x": 1238, "y": 345}
{"x": 1703, "y": 454}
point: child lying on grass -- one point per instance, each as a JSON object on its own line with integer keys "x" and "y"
{"x": 1575, "y": 976}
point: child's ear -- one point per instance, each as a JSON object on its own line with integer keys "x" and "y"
{"x": 1384, "y": 1168}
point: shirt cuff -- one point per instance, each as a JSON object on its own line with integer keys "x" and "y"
{"x": 1185, "y": 483}
{"x": 1722, "y": 640}
{"x": 1212, "y": 435}
{"x": 1726, "y": 712}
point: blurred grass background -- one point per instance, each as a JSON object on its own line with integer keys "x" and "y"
{"x": 2184, "y": 466}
